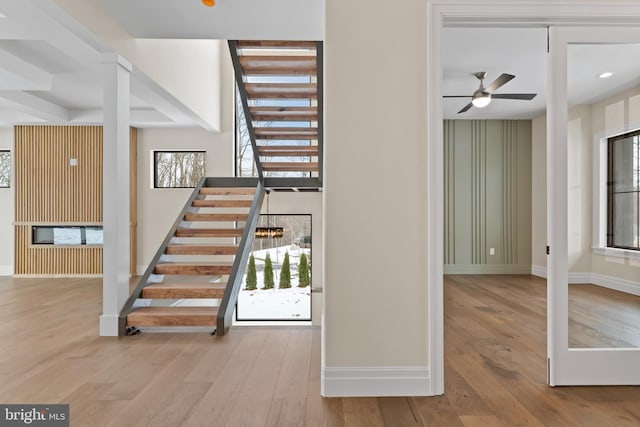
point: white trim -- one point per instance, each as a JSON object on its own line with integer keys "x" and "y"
{"x": 616, "y": 253}
{"x": 140, "y": 269}
{"x": 376, "y": 381}
{"x": 487, "y": 269}
{"x": 615, "y": 283}
{"x": 435, "y": 200}
{"x": 610, "y": 282}
{"x": 539, "y": 271}
{"x": 6, "y": 270}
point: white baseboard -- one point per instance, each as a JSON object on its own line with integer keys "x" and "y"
{"x": 376, "y": 381}
{"x": 536, "y": 270}
{"x": 6, "y": 270}
{"x": 609, "y": 282}
{"x": 486, "y": 269}
{"x": 621, "y": 285}
{"x": 140, "y": 269}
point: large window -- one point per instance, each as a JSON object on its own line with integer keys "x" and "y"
{"x": 623, "y": 191}
{"x": 5, "y": 168}
{"x": 178, "y": 169}
{"x": 277, "y": 281}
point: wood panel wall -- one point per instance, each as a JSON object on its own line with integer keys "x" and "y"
{"x": 50, "y": 191}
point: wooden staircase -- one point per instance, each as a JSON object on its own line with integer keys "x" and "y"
{"x": 190, "y": 276}
{"x": 280, "y": 83}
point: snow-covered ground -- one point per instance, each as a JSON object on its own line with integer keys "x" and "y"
{"x": 276, "y": 304}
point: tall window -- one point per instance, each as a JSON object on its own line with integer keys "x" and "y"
{"x": 5, "y": 168}
{"x": 623, "y": 191}
{"x": 178, "y": 169}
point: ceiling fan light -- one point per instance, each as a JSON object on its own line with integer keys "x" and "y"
{"x": 481, "y": 100}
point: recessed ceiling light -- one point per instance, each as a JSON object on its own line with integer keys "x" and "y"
{"x": 605, "y": 75}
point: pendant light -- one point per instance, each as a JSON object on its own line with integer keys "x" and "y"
{"x": 269, "y": 232}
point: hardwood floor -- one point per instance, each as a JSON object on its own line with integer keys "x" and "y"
{"x": 266, "y": 376}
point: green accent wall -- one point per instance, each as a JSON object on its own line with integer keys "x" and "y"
{"x": 487, "y": 196}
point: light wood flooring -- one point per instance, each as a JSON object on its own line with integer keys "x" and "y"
{"x": 494, "y": 366}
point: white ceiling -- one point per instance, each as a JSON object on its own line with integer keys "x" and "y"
{"x": 49, "y": 74}
{"x": 227, "y": 20}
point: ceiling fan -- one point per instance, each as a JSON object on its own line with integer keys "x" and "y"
{"x": 483, "y": 96}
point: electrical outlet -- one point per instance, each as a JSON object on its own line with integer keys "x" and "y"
{"x": 73, "y": 162}
{"x": 492, "y": 251}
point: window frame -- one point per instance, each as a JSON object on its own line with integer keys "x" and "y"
{"x": 611, "y": 194}
{"x": 600, "y": 196}
{"x": 154, "y": 165}
{"x": 9, "y": 175}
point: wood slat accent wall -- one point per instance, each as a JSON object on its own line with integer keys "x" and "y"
{"x": 51, "y": 191}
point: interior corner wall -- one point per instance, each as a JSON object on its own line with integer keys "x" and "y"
{"x": 159, "y": 207}
{"x": 539, "y": 195}
{"x": 487, "y": 196}
{"x": 375, "y": 332}
{"x": 7, "y": 207}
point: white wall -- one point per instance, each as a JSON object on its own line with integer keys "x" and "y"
{"x": 7, "y": 208}
{"x": 375, "y": 194}
{"x": 159, "y": 207}
{"x": 187, "y": 69}
{"x": 585, "y": 124}
{"x": 607, "y": 117}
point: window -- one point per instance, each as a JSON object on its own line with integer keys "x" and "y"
{"x": 287, "y": 296}
{"x": 623, "y": 191}
{"x": 178, "y": 169}
{"x": 5, "y": 169}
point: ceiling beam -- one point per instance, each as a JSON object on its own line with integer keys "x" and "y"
{"x": 18, "y": 74}
{"x": 35, "y": 106}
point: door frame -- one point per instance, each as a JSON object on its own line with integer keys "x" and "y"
{"x": 483, "y": 13}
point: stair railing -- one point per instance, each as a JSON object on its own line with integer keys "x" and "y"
{"x": 230, "y": 297}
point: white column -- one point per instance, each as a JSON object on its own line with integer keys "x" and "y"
{"x": 115, "y": 192}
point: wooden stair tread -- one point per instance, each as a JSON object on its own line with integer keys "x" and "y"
{"x": 173, "y": 316}
{"x": 227, "y": 191}
{"x": 281, "y": 90}
{"x": 201, "y": 249}
{"x": 286, "y": 133}
{"x": 209, "y": 232}
{"x": 290, "y": 166}
{"x": 184, "y": 290}
{"x": 265, "y": 114}
{"x": 209, "y": 203}
{"x": 278, "y": 65}
{"x": 202, "y": 268}
{"x": 274, "y": 44}
{"x": 288, "y": 150}
{"x": 215, "y": 217}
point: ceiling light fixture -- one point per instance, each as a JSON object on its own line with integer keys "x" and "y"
{"x": 209, "y": 3}
{"x": 481, "y": 99}
{"x": 605, "y": 75}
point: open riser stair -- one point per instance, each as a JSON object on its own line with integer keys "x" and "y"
{"x": 196, "y": 274}
{"x": 200, "y": 263}
{"x": 280, "y": 84}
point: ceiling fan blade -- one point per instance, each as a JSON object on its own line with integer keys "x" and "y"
{"x": 457, "y": 96}
{"x": 466, "y": 108}
{"x": 524, "y": 96}
{"x": 503, "y": 79}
